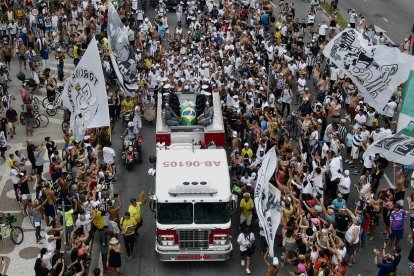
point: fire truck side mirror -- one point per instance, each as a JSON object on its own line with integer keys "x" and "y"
{"x": 233, "y": 202}
{"x": 152, "y": 203}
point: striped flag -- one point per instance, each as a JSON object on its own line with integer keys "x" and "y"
{"x": 407, "y": 109}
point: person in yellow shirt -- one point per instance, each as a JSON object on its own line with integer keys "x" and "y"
{"x": 98, "y": 221}
{"x": 127, "y": 104}
{"x": 128, "y": 226}
{"x": 246, "y": 208}
{"x": 247, "y": 152}
{"x": 104, "y": 42}
{"x": 135, "y": 210}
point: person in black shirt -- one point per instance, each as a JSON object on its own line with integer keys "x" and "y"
{"x": 30, "y": 155}
{"x": 50, "y": 146}
{"x": 342, "y": 223}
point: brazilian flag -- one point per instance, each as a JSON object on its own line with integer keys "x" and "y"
{"x": 188, "y": 116}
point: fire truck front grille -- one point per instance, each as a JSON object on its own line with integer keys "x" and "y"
{"x": 193, "y": 239}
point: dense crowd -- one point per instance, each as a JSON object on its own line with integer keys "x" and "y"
{"x": 277, "y": 89}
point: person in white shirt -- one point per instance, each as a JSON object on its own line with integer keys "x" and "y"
{"x": 390, "y": 109}
{"x": 246, "y": 240}
{"x": 360, "y": 119}
{"x": 301, "y": 87}
{"x": 108, "y": 155}
{"x": 344, "y": 186}
{"x": 323, "y": 28}
{"x": 15, "y": 178}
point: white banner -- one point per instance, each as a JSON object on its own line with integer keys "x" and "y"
{"x": 121, "y": 53}
{"x": 85, "y": 94}
{"x": 398, "y": 148}
{"x": 267, "y": 199}
{"x": 375, "y": 70}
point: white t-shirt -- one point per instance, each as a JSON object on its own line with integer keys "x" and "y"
{"x": 390, "y": 109}
{"x": 322, "y": 29}
{"x": 245, "y": 240}
{"x": 14, "y": 175}
{"x": 345, "y": 185}
{"x": 108, "y": 155}
{"x": 301, "y": 84}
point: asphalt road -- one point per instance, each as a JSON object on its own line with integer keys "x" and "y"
{"x": 395, "y": 17}
{"x": 144, "y": 262}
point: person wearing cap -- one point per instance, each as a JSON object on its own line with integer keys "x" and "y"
{"x": 60, "y": 57}
{"x": 247, "y": 152}
{"x": 113, "y": 260}
{"x": 397, "y": 225}
{"x": 170, "y": 118}
{"x": 206, "y": 118}
{"x": 246, "y": 207}
{"x": 272, "y": 268}
{"x": 246, "y": 240}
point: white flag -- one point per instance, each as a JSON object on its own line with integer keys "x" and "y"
{"x": 121, "y": 53}
{"x": 85, "y": 94}
{"x": 375, "y": 70}
{"x": 267, "y": 199}
{"x": 398, "y": 148}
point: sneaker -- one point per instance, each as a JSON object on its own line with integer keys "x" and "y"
{"x": 347, "y": 161}
{"x": 242, "y": 263}
{"x": 248, "y": 271}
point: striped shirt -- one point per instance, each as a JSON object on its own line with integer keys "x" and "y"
{"x": 310, "y": 60}
{"x": 357, "y": 140}
{"x": 342, "y": 132}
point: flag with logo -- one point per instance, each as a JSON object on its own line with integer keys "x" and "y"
{"x": 398, "y": 148}
{"x": 121, "y": 53}
{"x": 84, "y": 93}
{"x": 407, "y": 110}
{"x": 375, "y": 70}
{"x": 267, "y": 199}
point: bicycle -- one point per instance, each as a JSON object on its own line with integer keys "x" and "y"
{"x": 58, "y": 94}
{"x": 52, "y": 107}
{"x": 40, "y": 120}
{"x": 65, "y": 126}
{"x": 8, "y": 229}
{"x": 24, "y": 205}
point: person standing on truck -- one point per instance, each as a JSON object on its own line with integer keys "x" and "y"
{"x": 246, "y": 208}
{"x": 246, "y": 241}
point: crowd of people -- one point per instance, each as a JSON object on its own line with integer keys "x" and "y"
{"x": 277, "y": 89}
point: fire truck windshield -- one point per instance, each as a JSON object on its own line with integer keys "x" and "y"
{"x": 203, "y": 213}
{"x": 175, "y": 213}
{"x": 212, "y": 212}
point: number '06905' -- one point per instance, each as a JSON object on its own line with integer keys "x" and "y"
{"x": 173, "y": 164}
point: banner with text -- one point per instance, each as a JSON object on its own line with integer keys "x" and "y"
{"x": 267, "y": 199}
{"x": 84, "y": 94}
{"x": 121, "y": 53}
{"x": 398, "y": 148}
{"x": 375, "y": 70}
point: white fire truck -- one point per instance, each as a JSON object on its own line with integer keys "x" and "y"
{"x": 192, "y": 202}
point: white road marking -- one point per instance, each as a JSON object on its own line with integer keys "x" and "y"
{"x": 392, "y": 186}
{"x": 385, "y": 19}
